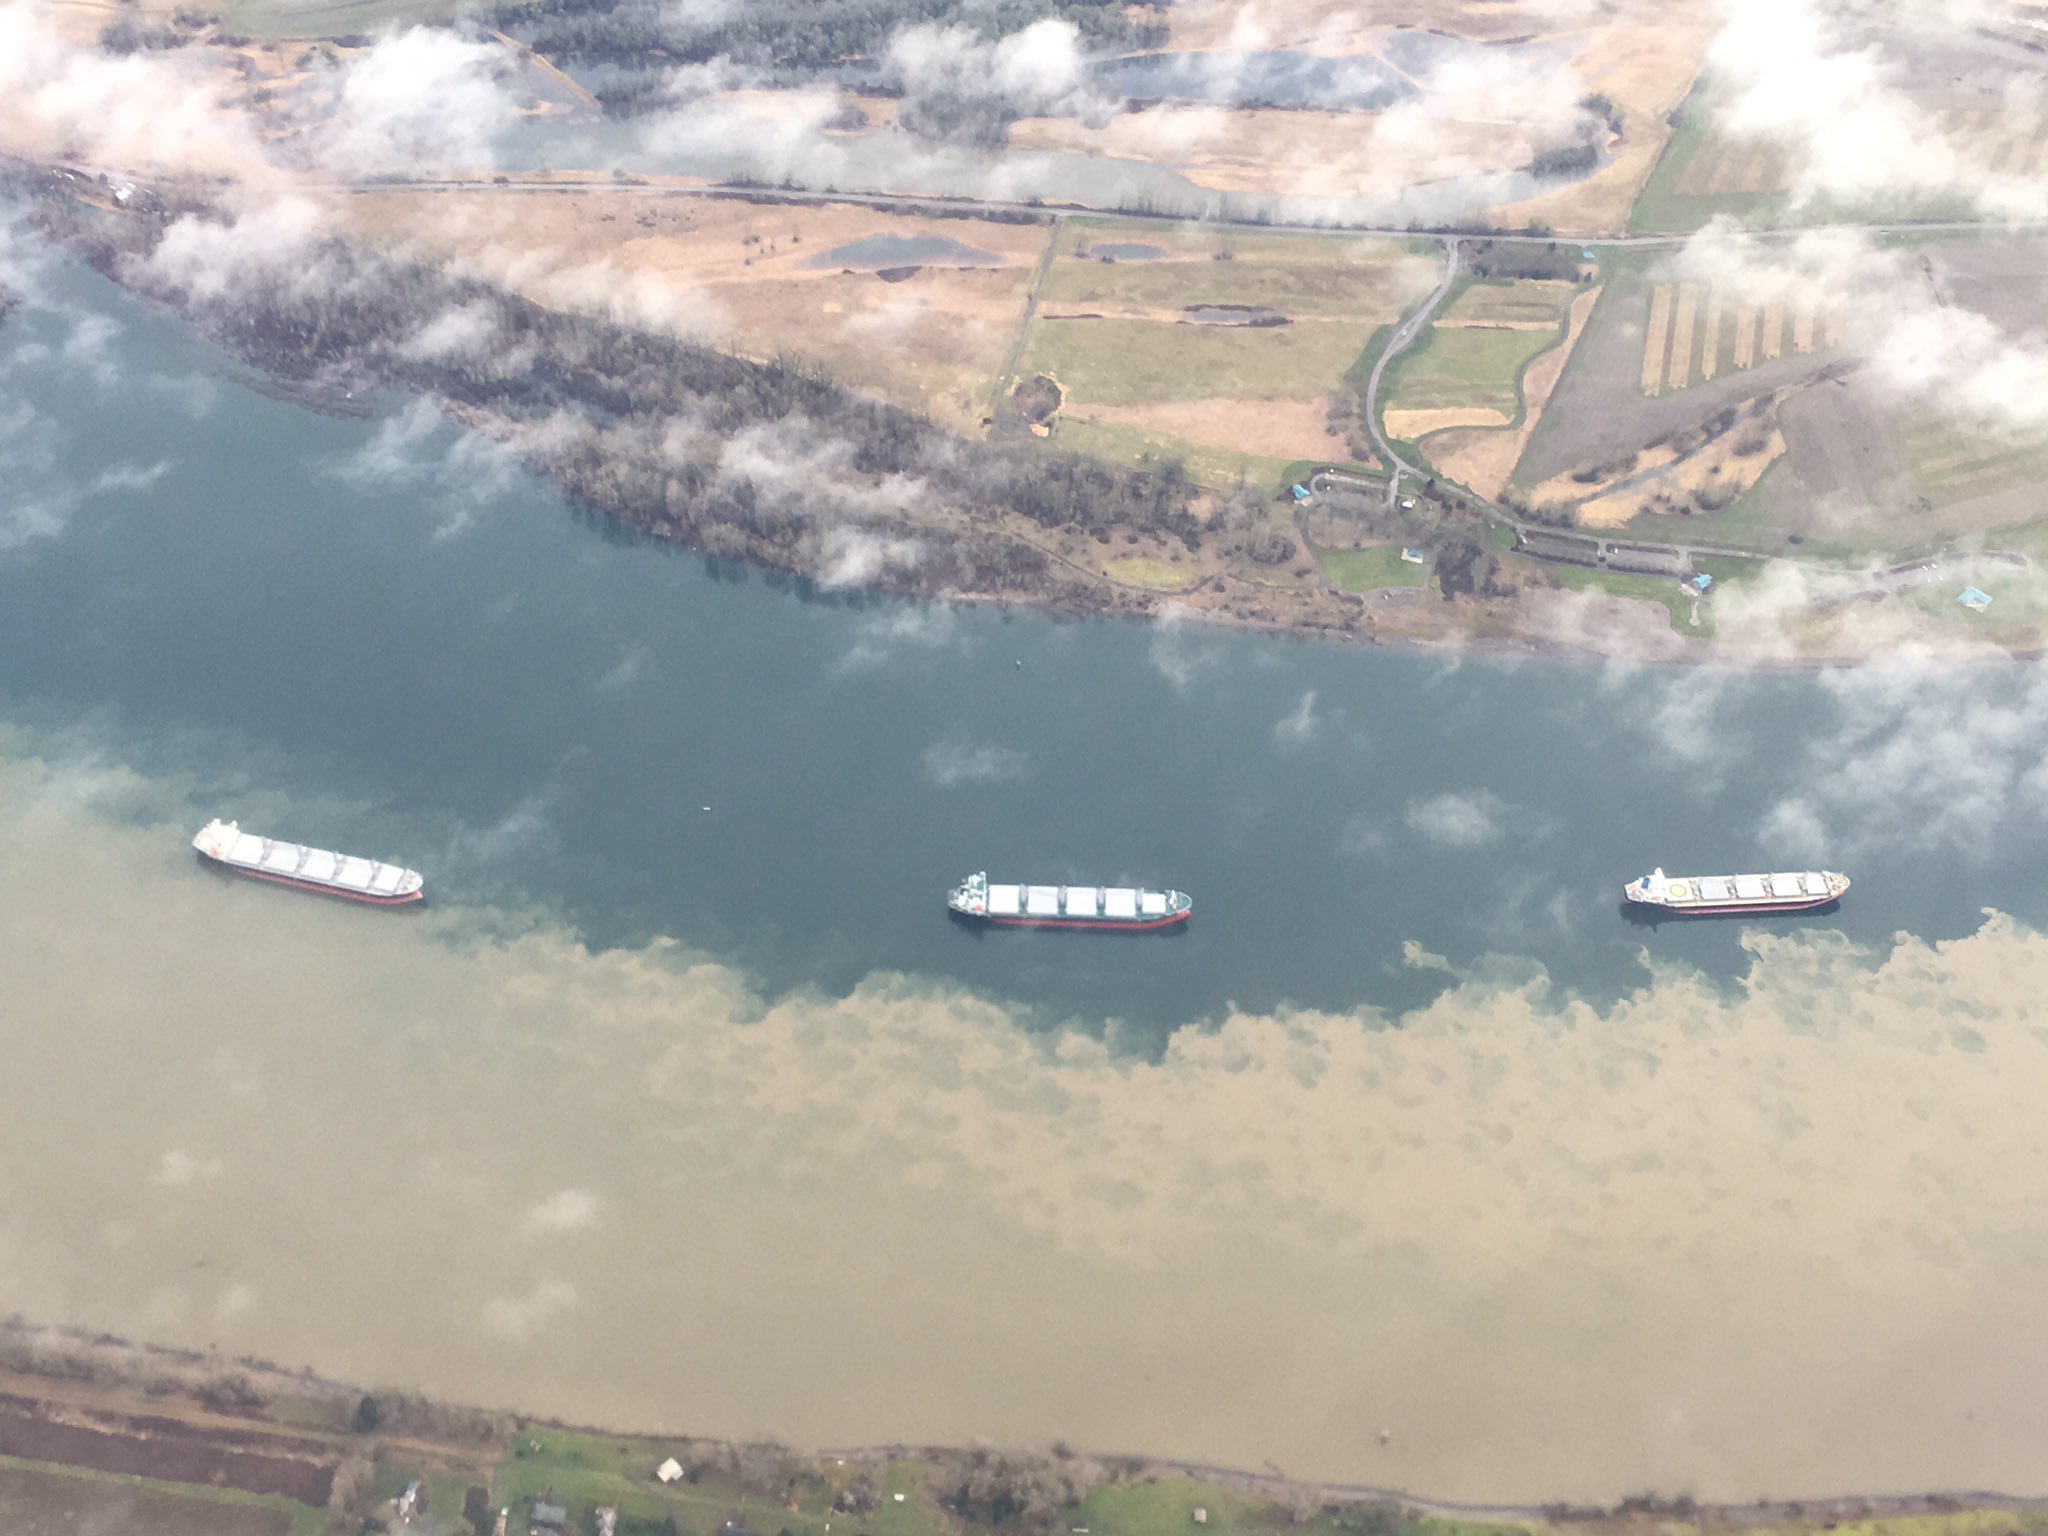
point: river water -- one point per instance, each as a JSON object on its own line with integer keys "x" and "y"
{"x": 686, "y": 1105}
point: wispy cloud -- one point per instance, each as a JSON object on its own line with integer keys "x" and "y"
{"x": 518, "y": 1318}
{"x": 952, "y": 763}
{"x": 568, "y": 1210}
{"x": 1298, "y": 727}
{"x": 900, "y": 631}
{"x": 1474, "y": 818}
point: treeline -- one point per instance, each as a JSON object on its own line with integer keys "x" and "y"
{"x": 638, "y": 425}
{"x": 786, "y": 41}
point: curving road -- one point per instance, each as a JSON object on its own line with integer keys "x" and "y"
{"x": 1402, "y": 339}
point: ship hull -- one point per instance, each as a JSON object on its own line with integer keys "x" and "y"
{"x": 312, "y": 887}
{"x": 1078, "y": 924}
{"x": 1735, "y": 908}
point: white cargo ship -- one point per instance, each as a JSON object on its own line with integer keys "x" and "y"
{"x": 1795, "y": 891}
{"x": 1067, "y": 906}
{"x": 310, "y": 869}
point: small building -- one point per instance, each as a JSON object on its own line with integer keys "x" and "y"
{"x": 607, "y": 1522}
{"x": 549, "y": 1517}
{"x": 670, "y": 1471}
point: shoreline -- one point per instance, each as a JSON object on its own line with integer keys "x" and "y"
{"x": 97, "y": 1376}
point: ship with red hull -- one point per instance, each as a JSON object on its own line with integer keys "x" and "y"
{"x": 1720, "y": 895}
{"x": 226, "y": 846}
{"x": 1101, "y": 908}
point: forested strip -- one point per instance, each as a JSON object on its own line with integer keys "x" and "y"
{"x": 641, "y": 425}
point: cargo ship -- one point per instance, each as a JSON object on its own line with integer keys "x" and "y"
{"x": 309, "y": 869}
{"x": 1119, "y": 907}
{"x": 1706, "y": 894}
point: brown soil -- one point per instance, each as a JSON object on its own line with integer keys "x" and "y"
{"x": 33, "y": 1502}
{"x": 738, "y": 274}
{"x": 168, "y": 1449}
{"x": 1644, "y": 61}
{"x": 1485, "y": 460}
{"x": 1282, "y": 429}
{"x": 1410, "y": 425}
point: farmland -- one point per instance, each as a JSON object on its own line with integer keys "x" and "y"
{"x": 1467, "y": 369}
{"x": 1225, "y": 352}
{"x": 43, "y": 1501}
{"x": 759, "y": 278}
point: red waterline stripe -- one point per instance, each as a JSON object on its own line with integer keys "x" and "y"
{"x": 1110, "y": 927}
{"x": 368, "y": 898}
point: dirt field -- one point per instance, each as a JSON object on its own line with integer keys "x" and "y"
{"x": 34, "y": 1503}
{"x": 1412, "y": 425}
{"x": 1278, "y": 429}
{"x": 1296, "y": 153}
{"x": 1601, "y": 409}
{"x": 1682, "y": 342}
{"x": 1486, "y": 460}
{"x": 1645, "y": 61}
{"x": 1720, "y": 467}
{"x": 167, "y": 1449}
{"x": 742, "y": 275}
{"x": 1141, "y": 381}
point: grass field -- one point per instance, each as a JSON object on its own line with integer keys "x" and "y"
{"x": 1370, "y": 570}
{"x": 1326, "y": 279}
{"x": 1128, "y": 361}
{"x": 1145, "y": 449}
{"x": 1151, "y": 574}
{"x": 1950, "y": 464}
{"x": 1658, "y": 589}
{"x": 582, "y": 1471}
{"x": 1465, "y": 366}
{"x": 331, "y": 18}
{"x": 1705, "y": 172}
{"x": 1531, "y": 302}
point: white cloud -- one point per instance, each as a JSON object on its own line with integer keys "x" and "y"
{"x": 1918, "y": 346}
{"x": 1173, "y": 651}
{"x": 1298, "y": 727}
{"x": 1827, "y": 79}
{"x": 416, "y": 100}
{"x": 568, "y": 1210}
{"x": 854, "y": 557}
{"x": 278, "y": 241}
{"x": 1921, "y": 751}
{"x": 1471, "y": 819}
{"x": 886, "y": 637}
{"x": 1040, "y": 69}
{"x": 141, "y": 109}
{"x": 177, "y": 1169}
{"x": 459, "y": 472}
{"x": 516, "y": 1319}
{"x": 951, "y": 763}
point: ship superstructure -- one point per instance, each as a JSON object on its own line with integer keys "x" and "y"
{"x": 309, "y": 869}
{"x": 1067, "y": 906}
{"x": 1793, "y": 891}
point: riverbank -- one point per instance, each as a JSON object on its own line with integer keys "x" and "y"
{"x": 254, "y": 1439}
{"x": 779, "y": 466}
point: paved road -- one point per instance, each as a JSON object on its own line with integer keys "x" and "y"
{"x": 1402, "y": 339}
{"x": 910, "y": 202}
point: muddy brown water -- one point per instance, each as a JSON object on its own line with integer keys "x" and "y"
{"x": 706, "y": 1119}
